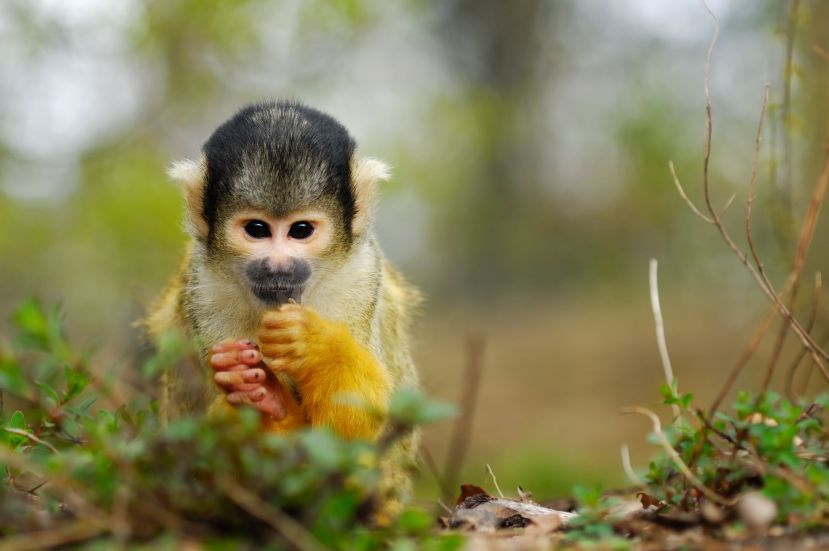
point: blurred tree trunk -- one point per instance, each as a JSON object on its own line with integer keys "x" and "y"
{"x": 814, "y": 104}
{"x": 497, "y": 47}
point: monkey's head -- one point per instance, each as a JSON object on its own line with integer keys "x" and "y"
{"x": 277, "y": 196}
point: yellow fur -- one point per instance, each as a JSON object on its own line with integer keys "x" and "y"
{"x": 341, "y": 384}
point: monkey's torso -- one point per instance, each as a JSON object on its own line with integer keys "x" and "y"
{"x": 366, "y": 294}
{"x": 279, "y": 211}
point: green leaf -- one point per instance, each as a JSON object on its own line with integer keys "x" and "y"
{"x": 410, "y": 406}
{"x": 48, "y": 392}
{"x": 323, "y": 449}
{"x": 32, "y": 322}
{"x": 16, "y": 421}
{"x": 588, "y": 496}
{"x": 415, "y": 521}
{"x": 11, "y": 377}
{"x": 183, "y": 429}
{"x": 76, "y": 382}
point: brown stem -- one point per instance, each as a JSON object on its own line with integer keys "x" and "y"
{"x": 463, "y": 426}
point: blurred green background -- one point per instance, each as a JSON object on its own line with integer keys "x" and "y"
{"x": 530, "y": 143}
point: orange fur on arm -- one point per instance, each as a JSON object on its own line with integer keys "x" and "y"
{"x": 340, "y": 382}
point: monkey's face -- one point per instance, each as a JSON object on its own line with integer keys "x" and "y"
{"x": 275, "y": 257}
{"x": 278, "y": 200}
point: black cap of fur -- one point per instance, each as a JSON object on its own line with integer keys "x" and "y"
{"x": 279, "y": 156}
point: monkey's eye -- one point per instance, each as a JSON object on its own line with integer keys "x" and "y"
{"x": 257, "y": 229}
{"x": 301, "y": 230}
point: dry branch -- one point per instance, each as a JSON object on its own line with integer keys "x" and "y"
{"x": 463, "y": 426}
{"x": 660, "y": 329}
{"x": 628, "y": 468}
{"x": 755, "y": 268}
{"x": 286, "y": 526}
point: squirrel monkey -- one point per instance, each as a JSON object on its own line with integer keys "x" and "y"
{"x": 283, "y": 284}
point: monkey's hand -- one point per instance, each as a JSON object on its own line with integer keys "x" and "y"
{"x": 240, "y": 372}
{"x": 340, "y": 382}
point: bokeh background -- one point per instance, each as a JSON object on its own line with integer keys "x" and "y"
{"x": 530, "y": 142}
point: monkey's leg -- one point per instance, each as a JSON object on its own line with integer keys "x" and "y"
{"x": 340, "y": 382}
{"x": 241, "y": 373}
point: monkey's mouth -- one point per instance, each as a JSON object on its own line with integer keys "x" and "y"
{"x": 274, "y": 296}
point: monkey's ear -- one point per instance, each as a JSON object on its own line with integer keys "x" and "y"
{"x": 365, "y": 173}
{"x": 191, "y": 175}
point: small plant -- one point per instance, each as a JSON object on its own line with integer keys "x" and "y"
{"x": 770, "y": 445}
{"x": 81, "y": 463}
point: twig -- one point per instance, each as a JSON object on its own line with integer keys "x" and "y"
{"x": 429, "y": 460}
{"x": 763, "y": 282}
{"x": 672, "y": 453}
{"x": 758, "y": 140}
{"x": 445, "y": 507}
{"x": 691, "y": 205}
{"x": 660, "y": 330}
{"x": 463, "y": 426}
{"x": 58, "y": 536}
{"x": 682, "y": 194}
{"x": 57, "y": 481}
{"x": 296, "y": 534}
{"x": 749, "y": 350}
{"x": 821, "y": 52}
{"x": 628, "y": 468}
{"x": 709, "y": 426}
{"x": 809, "y": 326}
{"x": 494, "y": 480}
{"x": 31, "y": 437}
{"x": 803, "y": 245}
{"x": 785, "y": 184}
{"x": 728, "y": 203}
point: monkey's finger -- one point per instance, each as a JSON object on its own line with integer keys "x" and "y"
{"x": 286, "y": 335}
{"x": 241, "y": 397}
{"x": 287, "y": 315}
{"x": 284, "y": 352}
{"x": 281, "y": 364}
{"x": 224, "y": 360}
{"x": 233, "y": 378}
{"x": 272, "y": 406}
{"x": 258, "y": 394}
{"x": 233, "y": 344}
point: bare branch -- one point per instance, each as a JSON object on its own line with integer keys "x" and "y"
{"x": 628, "y": 468}
{"x": 682, "y": 194}
{"x": 31, "y": 437}
{"x": 785, "y": 184}
{"x": 285, "y": 525}
{"x": 758, "y": 140}
{"x": 763, "y": 282}
{"x": 728, "y": 203}
{"x": 494, "y": 481}
{"x": 660, "y": 330}
{"x": 790, "y": 373}
{"x": 463, "y": 426}
{"x": 749, "y": 350}
{"x": 429, "y": 459}
{"x": 57, "y": 536}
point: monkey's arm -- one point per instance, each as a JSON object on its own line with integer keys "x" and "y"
{"x": 340, "y": 382}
